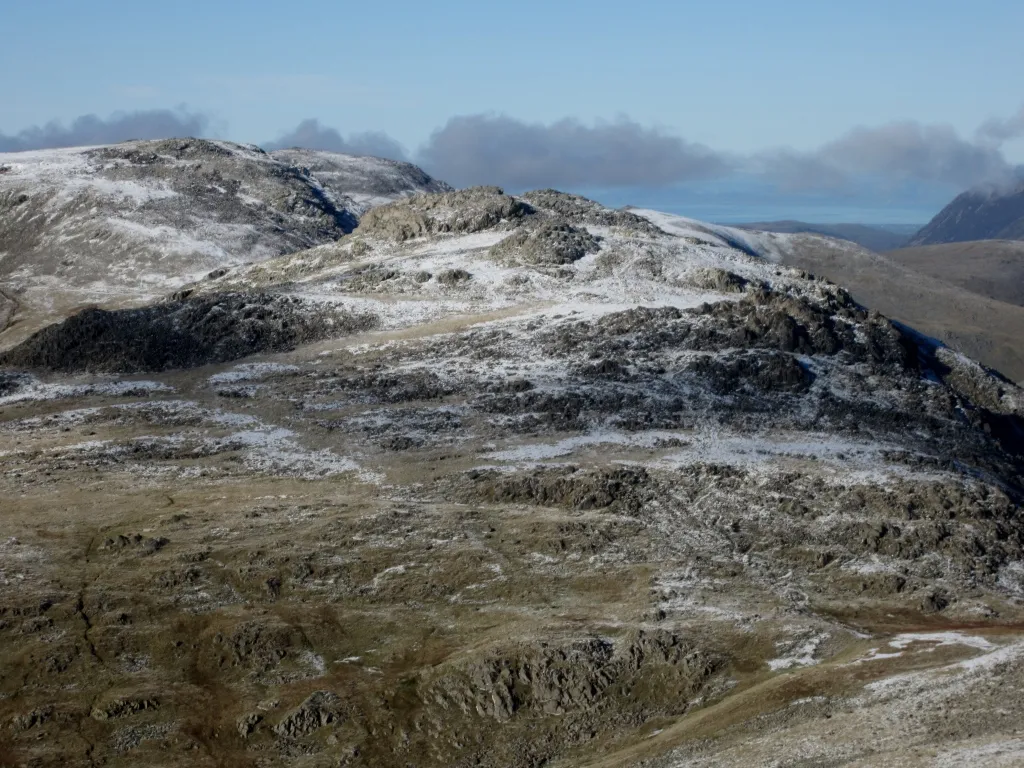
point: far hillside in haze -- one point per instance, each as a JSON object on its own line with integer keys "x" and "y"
{"x": 978, "y": 214}
{"x": 992, "y": 268}
{"x": 872, "y": 238}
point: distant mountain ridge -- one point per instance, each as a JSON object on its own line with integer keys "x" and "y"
{"x": 136, "y": 220}
{"x": 977, "y": 214}
{"x": 872, "y": 238}
{"x": 364, "y": 182}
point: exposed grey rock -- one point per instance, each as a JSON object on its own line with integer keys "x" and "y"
{"x": 581, "y": 211}
{"x": 562, "y": 486}
{"x": 247, "y": 724}
{"x": 124, "y": 706}
{"x": 463, "y": 212}
{"x": 550, "y": 242}
{"x": 320, "y": 709}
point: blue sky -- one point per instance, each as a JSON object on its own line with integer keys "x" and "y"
{"x": 739, "y": 77}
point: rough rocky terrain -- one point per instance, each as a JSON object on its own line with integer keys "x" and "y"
{"x": 128, "y": 223}
{"x": 508, "y": 481}
{"x": 953, "y": 302}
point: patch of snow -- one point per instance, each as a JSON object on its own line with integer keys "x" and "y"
{"x": 939, "y": 639}
{"x": 1008, "y": 753}
{"x": 251, "y": 372}
{"x": 540, "y": 451}
{"x": 801, "y": 656}
{"x": 41, "y": 392}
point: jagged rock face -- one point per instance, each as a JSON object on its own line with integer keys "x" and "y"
{"x": 978, "y": 214}
{"x": 579, "y": 210}
{"x": 552, "y": 482}
{"x": 319, "y": 710}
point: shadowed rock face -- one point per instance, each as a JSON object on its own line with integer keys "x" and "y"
{"x": 182, "y": 334}
{"x": 554, "y": 483}
{"x": 967, "y": 295}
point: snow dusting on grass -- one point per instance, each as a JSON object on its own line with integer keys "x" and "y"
{"x": 35, "y": 390}
{"x": 251, "y": 372}
{"x": 800, "y": 656}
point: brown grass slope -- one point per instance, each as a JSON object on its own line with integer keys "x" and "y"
{"x": 993, "y": 268}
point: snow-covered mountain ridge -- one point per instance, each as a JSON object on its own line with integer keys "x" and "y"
{"x": 133, "y": 221}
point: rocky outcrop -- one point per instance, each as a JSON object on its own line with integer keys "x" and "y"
{"x": 579, "y": 485}
{"x": 319, "y": 710}
{"x": 182, "y": 333}
{"x": 549, "y": 243}
{"x": 463, "y": 212}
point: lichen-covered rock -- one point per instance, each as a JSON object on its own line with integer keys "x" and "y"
{"x": 548, "y": 243}
{"x": 720, "y": 280}
{"x": 581, "y": 211}
{"x": 248, "y": 723}
{"x": 562, "y": 486}
{"x": 463, "y": 212}
{"x": 320, "y": 709}
{"x": 124, "y": 706}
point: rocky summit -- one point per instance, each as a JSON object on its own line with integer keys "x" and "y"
{"x": 496, "y": 480}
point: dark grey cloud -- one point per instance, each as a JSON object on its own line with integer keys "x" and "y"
{"x": 998, "y": 130}
{"x": 310, "y": 134}
{"x": 121, "y": 126}
{"x": 890, "y": 154}
{"x": 911, "y": 151}
{"x": 795, "y": 171}
{"x": 480, "y": 149}
{"x": 494, "y": 149}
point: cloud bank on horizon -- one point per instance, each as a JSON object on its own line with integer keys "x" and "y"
{"x": 310, "y": 134}
{"x": 90, "y": 130}
{"x": 497, "y": 149}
